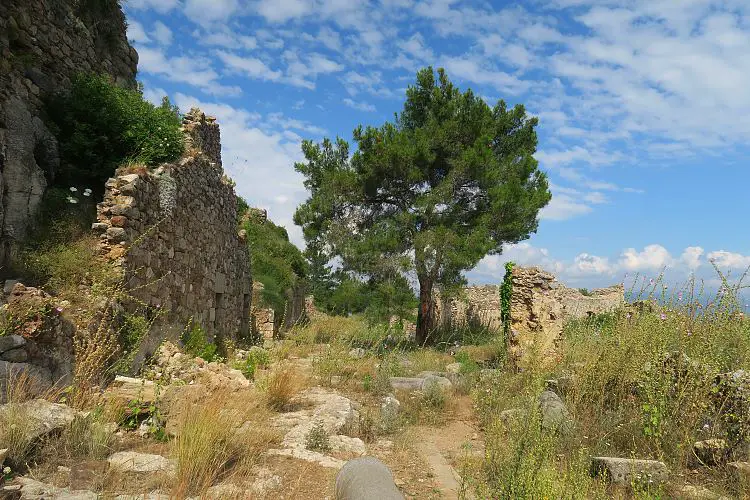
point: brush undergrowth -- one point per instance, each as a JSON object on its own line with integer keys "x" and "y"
{"x": 646, "y": 382}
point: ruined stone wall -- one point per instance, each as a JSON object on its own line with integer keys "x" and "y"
{"x": 174, "y": 233}
{"x": 294, "y": 313}
{"x": 43, "y": 44}
{"x": 475, "y": 305}
{"x": 263, "y": 318}
{"x": 540, "y": 307}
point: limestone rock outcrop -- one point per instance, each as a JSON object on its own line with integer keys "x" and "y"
{"x": 43, "y": 44}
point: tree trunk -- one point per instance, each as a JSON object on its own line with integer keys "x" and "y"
{"x": 424, "y": 314}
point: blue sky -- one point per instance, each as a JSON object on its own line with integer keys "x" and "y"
{"x": 644, "y": 108}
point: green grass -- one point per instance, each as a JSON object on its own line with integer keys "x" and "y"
{"x": 641, "y": 384}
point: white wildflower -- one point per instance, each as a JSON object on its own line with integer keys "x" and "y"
{"x": 73, "y": 189}
{"x": 7, "y": 470}
{"x": 72, "y": 200}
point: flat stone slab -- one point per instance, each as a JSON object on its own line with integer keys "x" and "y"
{"x": 130, "y": 461}
{"x": 42, "y": 417}
{"x": 10, "y": 342}
{"x": 627, "y": 471}
{"x": 407, "y": 383}
{"x": 32, "y": 489}
{"x": 410, "y": 384}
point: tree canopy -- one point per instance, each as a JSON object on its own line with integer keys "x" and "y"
{"x": 448, "y": 182}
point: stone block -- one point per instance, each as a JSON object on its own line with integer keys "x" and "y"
{"x": 10, "y": 342}
{"x": 629, "y": 471}
{"x": 15, "y": 355}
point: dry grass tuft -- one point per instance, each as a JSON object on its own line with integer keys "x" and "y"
{"x": 222, "y": 438}
{"x": 282, "y": 385}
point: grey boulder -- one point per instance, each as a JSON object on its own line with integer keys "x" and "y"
{"x": 366, "y": 478}
{"x": 629, "y": 471}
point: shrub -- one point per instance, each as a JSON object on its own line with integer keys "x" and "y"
{"x": 256, "y": 358}
{"x": 100, "y": 125}
{"x": 317, "y": 439}
{"x": 196, "y": 343}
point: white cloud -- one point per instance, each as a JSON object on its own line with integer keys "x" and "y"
{"x": 651, "y": 258}
{"x": 586, "y": 264}
{"x": 162, "y": 33}
{"x": 136, "y": 33}
{"x": 729, "y": 260}
{"x": 359, "y": 105}
{"x": 162, "y": 6}
{"x": 477, "y": 71}
{"x": 589, "y": 270}
{"x": 205, "y": 12}
{"x": 563, "y": 207}
{"x": 691, "y": 257}
{"x": 249, "y": 66}
{"x": 190, "y": 70}
{"x": 283, "y": 10}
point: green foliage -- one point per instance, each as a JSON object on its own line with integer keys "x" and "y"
{"x": 474, "y": 332}
{"x": 468, "y": 364}
{"x": 100, "y": 125}
{"x": 276, "y": 262}
{"x": 196, "y": 343}
{"x": 242, "y": 206}
{"x": 448, "y": 182}
{"x": 506, "y": 296}
{"x": 256, "y": 358}
{"x": 317, "y": 439}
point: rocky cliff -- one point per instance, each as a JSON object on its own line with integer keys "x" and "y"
{"x": 43, "y": 44}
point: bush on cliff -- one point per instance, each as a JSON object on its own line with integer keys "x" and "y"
{"x": 100, "y": 125}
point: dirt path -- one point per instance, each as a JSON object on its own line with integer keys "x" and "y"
{"x": 441, "y": 446}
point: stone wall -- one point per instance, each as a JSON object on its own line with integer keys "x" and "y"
{"x": 476, "y": 305}
{"x": 263, "y": 318}
{"x": 541, "y": 306}
{"x": 43, "y": 44}
{"x": 173, "y": 231}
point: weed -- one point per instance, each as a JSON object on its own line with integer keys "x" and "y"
{"x": 317, "y": 439}
{"x": 256, "y": 358}
{"x": 221, "y": 438}
{"x": 281, "y": 386}
{"x": 196, "y": 344}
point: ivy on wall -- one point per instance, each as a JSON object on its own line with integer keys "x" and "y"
{"x": 506, "y": 293}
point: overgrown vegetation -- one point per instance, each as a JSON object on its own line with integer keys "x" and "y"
{"x": 196, "y": 343}
{"x": 277, "y": 263}
{"x": 100, "y": 125}
{"x": 644, "y": 382}
{"x": 212, "y": 443}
